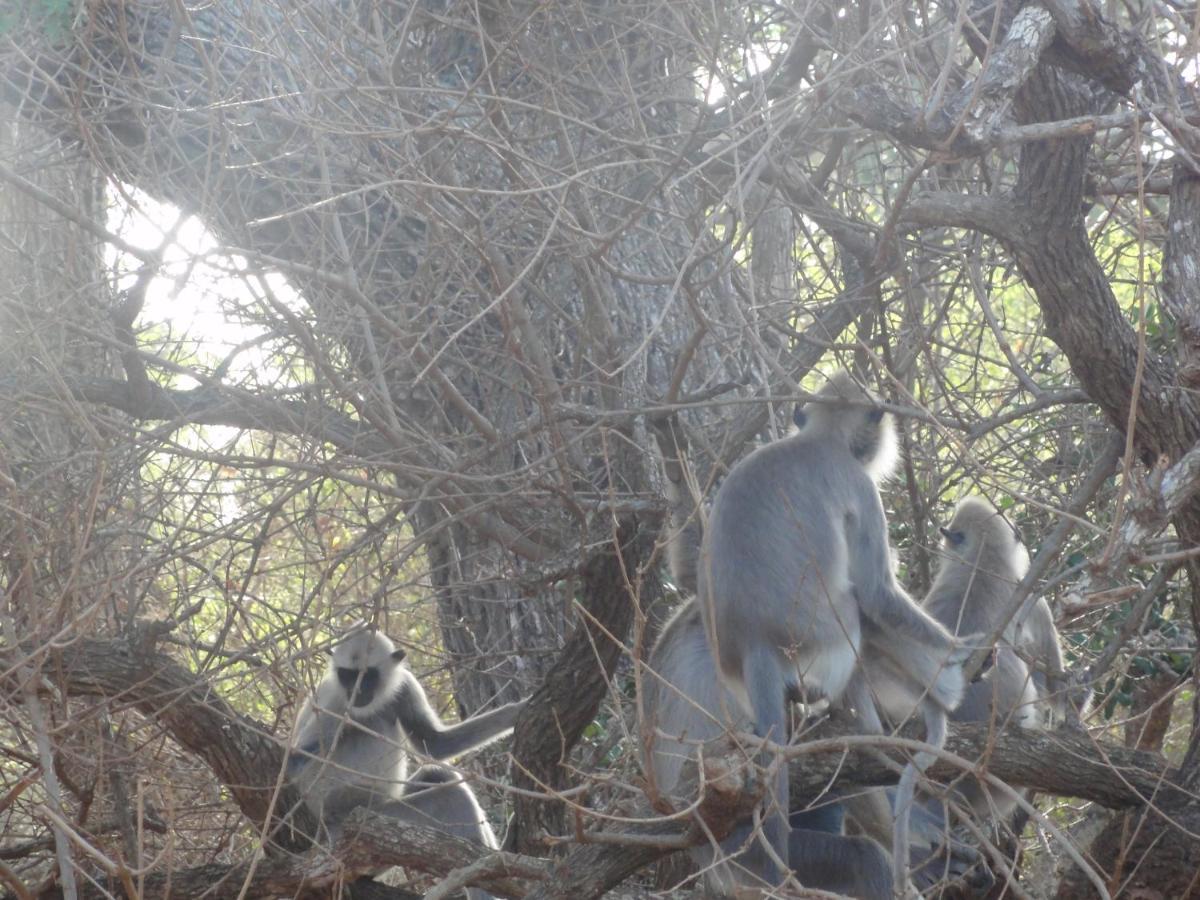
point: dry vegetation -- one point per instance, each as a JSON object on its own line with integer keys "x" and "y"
{"x": 313, "y": 312}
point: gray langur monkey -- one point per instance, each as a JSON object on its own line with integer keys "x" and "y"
{"x": 982, "y": 562}
{"x": 353, "y": 738}
{"x": 686, "y": 706}
{"x": 796, "y": 582}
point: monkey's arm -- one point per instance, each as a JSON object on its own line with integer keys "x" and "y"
{"x": 1039, "y": 638}
{"x": 880, "y": 598}
{"x": 1038, "y": 641}
{"x": 317, "y": 730}
{"x": 432, "y": 737}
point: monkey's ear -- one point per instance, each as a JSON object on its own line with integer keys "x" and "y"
{"x": 799, "y": 416}
{"x": 398, "y": 654}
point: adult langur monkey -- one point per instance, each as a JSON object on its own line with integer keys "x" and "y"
{"x": 796, "y": 583}
{"x": 686, "y": 706}
{"x": 353, "y": 738}
{"x": 983, "y": 561}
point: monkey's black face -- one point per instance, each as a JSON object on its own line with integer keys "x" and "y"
{"x": 349, "y": 679}
{"x": 954, "y": 538}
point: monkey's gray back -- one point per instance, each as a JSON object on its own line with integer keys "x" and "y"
{"x": 777, "y": 531}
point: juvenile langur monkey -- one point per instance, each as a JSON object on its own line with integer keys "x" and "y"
{"x": 796, "y": 583}
{"x": 686, "y": 706}
{"x": 983, "y": 561}
{"x": 353, "y": 739}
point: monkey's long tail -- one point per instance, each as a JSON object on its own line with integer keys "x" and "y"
{"x": 935, "y": 734}
{"x": 765, "y": 684}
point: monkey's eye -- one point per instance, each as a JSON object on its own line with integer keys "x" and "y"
{"x": 874, "y": 416}
{"x": 953, "y": 538}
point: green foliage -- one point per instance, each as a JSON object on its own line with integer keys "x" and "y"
{"x": 1160, "y": 628}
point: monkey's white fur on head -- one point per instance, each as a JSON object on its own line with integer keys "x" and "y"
{"x": 978, "y": 531}
{"x": 366, "y": 651}
{"x": 362, "y": 648}
{"x": 845, "y": 407}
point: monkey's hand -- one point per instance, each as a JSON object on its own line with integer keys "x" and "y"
{"x": 988, "y": 663}
{"x": 950, "y": 681}
{"x": 976, "y": 646}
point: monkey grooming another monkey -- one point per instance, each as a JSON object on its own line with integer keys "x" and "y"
{"x": 353, "y": 738}
{"x": 796, "y": 579}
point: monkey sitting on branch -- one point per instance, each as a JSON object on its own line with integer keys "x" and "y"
{"x": 983, "y": 560}
{"x": 796, "y": 586}
{"x": 353, "y": 738}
